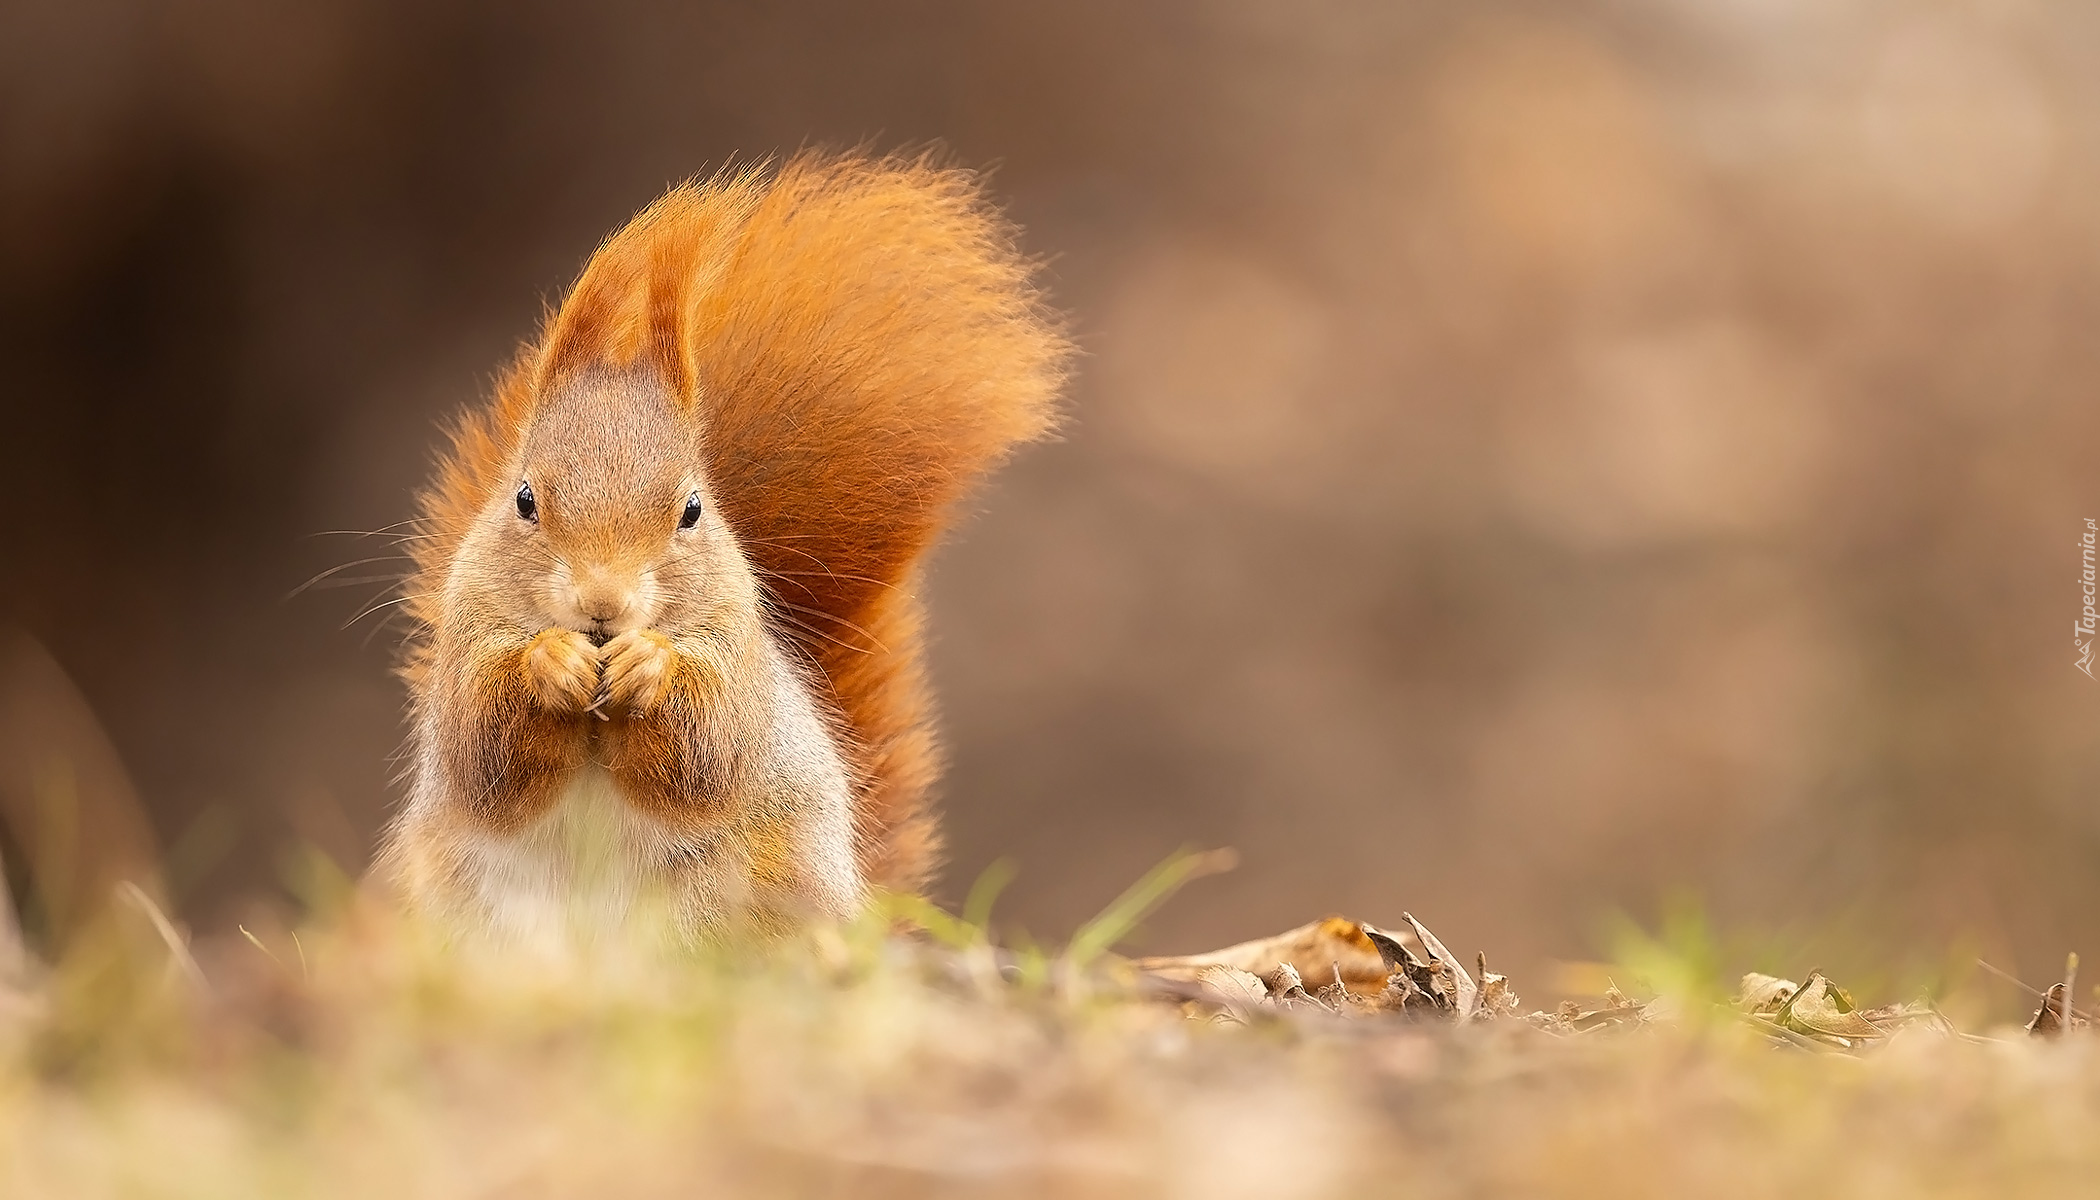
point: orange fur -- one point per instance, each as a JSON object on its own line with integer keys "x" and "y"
{"x": 858, "y": 343}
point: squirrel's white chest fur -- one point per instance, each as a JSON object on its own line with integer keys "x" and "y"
{"x": 591, "y": 868}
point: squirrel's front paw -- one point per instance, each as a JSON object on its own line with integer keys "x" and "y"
{"x": 563, "y": 667}
{"x": 637, "y": 670}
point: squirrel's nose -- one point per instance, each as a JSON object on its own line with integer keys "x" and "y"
{"x": 603, "y": 610}
{"x": 602, "y": 602}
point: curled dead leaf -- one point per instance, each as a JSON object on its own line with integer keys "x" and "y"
{"x": 1764, "y": 993}
{"x": 1820, "y": 1007}
{"x": 2048, "y": 1020}
{"x": 1240, "y": 993}
{"x": 1464, "y": 992}
{"x": 1415, "y": 985}
{"x": 1320, "y": 952}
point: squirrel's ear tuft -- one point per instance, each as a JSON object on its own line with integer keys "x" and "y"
{"x": 634, "y": 304}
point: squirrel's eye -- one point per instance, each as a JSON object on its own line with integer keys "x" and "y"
{"x": 691, "y": 516}
{"x": 528, "y": 508}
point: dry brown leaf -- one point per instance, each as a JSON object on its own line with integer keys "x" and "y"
{"x": 1286, "y": 981}
{"x": 1437, "y": 984}
{"x": 1403, "y": 994}
{"x": 1287, "y": 989}
{"x": 1394, "y": 954}
{"x": 1241, "y": 993}
{"x": 1765, "y": 993}
{"x": 2048, "y": 1020}
{"x": 1413, "y": 985}
{"x": 1820, "y": 1007}
{"x": 1465, "y": 993}
{"x": 1318, "y": 952}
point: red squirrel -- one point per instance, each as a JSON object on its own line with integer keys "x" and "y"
{"x": 669, "y": 642}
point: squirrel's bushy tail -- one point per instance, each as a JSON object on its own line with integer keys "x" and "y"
{"x": 862, "y": 342}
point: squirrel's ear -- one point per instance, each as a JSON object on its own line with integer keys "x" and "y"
{"x": 635, "y": 300}
{"x": 616, "y": 319}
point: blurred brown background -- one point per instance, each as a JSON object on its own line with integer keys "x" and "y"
{"x": 1533, "y": 460}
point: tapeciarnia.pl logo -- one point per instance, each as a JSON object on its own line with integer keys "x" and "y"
{"x": 2082, "y": 632}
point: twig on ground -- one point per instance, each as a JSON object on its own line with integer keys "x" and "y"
{"x": 2070, "y": 987}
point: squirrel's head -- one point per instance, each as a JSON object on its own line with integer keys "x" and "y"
{"x": 608, "y": 525}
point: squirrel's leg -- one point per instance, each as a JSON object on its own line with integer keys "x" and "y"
{"x": 806, "y": 867}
